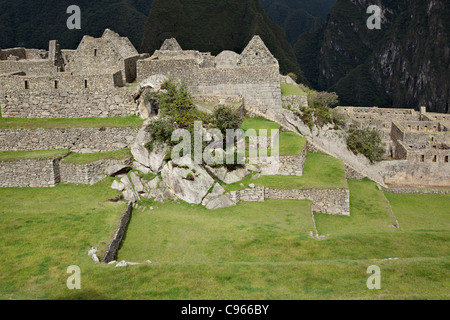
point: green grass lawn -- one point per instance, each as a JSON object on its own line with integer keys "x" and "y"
{"x": 258, "y": 123}
{"x": 421, "y": 212}
{"x": 321, "y": 171}
{"x": 45, "y": 230}
{"x": 291, "y": 144}
{"x": 369, "y": 212}
{"x": 80, "y": 158}
{"x": 249, "y": 232}
{"x": 32, "y": 155}
{"x": 291, "y": 90}
{"x": 251, "y": 251}
{"x": 28, "y": 123}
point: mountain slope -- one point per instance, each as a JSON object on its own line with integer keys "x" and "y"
{"x": 298, "y": 16}
{"x": 33, "y": 23}
{"x": 404, "y": 65}
{"x": 214, "y": 26}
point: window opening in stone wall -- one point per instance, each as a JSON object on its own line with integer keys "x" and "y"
{"x": 446, "y": 159}
{"x": 434, "y": 158}
{"x": 95, "y": 52}
{"x": 85, "y": 84}
{"x": 56, "y": 84}
{"x": 27, "y": 84}
{"x": 422, "y": 158}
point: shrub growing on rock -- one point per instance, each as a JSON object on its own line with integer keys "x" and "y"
{"x": 367, "y": 142}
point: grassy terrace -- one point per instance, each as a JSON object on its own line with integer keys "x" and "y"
{"x": 321, "y": 171}
{"x": 259, "y": 123}
{"x": 32, "y": 155}
{"x": 291, "y": 90}
{"x": 63, "y": 123}
{"x": 251, "y": 251}
{"x": 74, "y": 158}
{"x": 79, "y": 158}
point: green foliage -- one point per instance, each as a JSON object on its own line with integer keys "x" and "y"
{"x": 64, "y": 123}
{"x": 176, "y": 106}
{"x": 367, "y": 142}
{"x": 190, "y": 177}
{"x": 161, "y": 131}
{"x": 226, "y": 118}
{"x": 32, "y": 155}
{"x": 293, "y": 76}
{"x": 319, "y": 112}
{"x": 291, "y": 90}
{"x": 323, "y": 99}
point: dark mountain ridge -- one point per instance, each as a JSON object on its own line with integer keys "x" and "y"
{"x": 403, "y": 65}
{"x": 214, "y": 26}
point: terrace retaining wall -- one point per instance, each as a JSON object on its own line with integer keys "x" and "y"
{"x": 75, "y": 139}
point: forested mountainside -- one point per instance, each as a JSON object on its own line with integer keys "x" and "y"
{"x": 33, "y": 23}
{"x": 403, "y": 65}
{"x": 298, "y": 16}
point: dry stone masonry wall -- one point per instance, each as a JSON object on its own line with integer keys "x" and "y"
{"x": 75, "y": 139}
{"x": 330, "y": 201}
{"x": 84, "y": 173}
{"x": 29, "y": 173}
{"x": 65, "y": 96}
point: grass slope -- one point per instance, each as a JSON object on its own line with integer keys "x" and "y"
{"x": 252, "y": 251}
{"x": 321, "y": 171}
{"x": 32, "y": 155}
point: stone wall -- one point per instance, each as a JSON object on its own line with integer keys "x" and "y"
{"x": 29, "y": 173}
{"x": 295, "y": 101}
{"x": 108, "y": 54}
{"x": 75, "y": 139}
{"x": 292, "y": 165}
{"x": 330, "y": 201}
{"x": 414, "y": 191}
{"x": 113, "y": 248}
{"x": 30, "y": 67}
{"x": 252, "y": 195}
{"x": 415, "y": 174}
{"x": 351, "y": 173}
{"x": 65, "y": 96}
{"x": 84, "y": 173}
{"x": 258, "y": 85}
{"x": 420, "y": 134}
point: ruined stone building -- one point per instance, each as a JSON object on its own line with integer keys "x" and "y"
{"x": 91, "y": 81}
{"x": 418, "y": 141}
{"x": 86, "y": 82}
{"x": 254, "y": 74}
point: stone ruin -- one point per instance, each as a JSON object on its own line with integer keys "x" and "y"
{"x": 418, "y": 141}
{"x": 94, "y": 81}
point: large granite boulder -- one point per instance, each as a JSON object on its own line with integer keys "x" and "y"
{"x": 222, "y": 201}
{"x": 154, "y": 159}
{"x": 189, "y": 182}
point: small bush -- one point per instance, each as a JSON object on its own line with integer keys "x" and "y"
{"x": 190, "y": 177}
{"x": 227, "y": 118}
{"x": 161, "y": 131}
{"x": 367, "y": 142}
{"x": 293, "y": 76}
{"x": 322, "y": 99}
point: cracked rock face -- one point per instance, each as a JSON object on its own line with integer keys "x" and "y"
{"x": 189, "y": 182}
{"x": 154, "y": 159}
